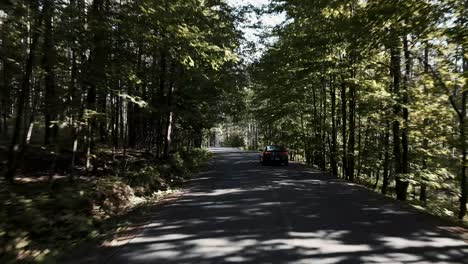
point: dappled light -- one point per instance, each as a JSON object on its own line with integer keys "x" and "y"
{"x": 233, "y": 131}
{"x": 243, "y": 212}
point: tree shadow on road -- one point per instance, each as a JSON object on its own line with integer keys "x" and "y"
{"x": 242, "y": 212}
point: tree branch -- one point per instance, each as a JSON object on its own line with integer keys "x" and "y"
{"x": 438, "y": 78}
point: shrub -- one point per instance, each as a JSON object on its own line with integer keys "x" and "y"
{"x": 235, "y": 141}
{"x": 146, "y": 181}
{"x": 111, "y": 195}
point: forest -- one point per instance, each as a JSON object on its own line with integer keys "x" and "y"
{"x": 105, "y": 105}
{"x": 374, "y": 92}
{"x": 101, "y": 101}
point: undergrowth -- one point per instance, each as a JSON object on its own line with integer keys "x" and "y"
{"x": 39, "y": 220}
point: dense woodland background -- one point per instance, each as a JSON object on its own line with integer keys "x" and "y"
{"x": 372, "y": 91}
{"x": 105, "y": 100}
{"x": 101, "y": 101}
{"x": 79, "y": 76}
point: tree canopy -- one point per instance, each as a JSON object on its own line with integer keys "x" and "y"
{"x": 372, "y": 91}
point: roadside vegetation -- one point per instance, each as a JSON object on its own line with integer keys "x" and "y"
{"x": 104, "y": 103}
{"x": 39, "y": 220}
{"x": 374, "y": 92}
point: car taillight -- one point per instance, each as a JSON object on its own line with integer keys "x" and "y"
{"x": 266, "y": 153}
{"x": 284, "y": 153}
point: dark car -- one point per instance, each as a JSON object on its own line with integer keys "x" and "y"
{"x": 274, "y": 155}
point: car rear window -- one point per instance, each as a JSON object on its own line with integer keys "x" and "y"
{"x": 275, "y": 148}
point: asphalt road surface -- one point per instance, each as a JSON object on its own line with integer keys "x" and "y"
{"x": 242, "y": 212}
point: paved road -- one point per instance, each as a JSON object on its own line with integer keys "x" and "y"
{"x": 242, "y": 212}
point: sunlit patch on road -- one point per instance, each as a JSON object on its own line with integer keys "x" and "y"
{"x": 242, "y": 212}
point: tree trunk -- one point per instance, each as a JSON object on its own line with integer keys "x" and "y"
{"x": 96, "y": 69}
{"x": 405, "y": 165}
{"x": 377, "y": 179}
{"x": 50, "y": 95}
{"x": 5, "y": 95}
{"x": 15, "y": 150}
{"x": 400, "y": 185}
{"x": 386, "y": 163}
{"x": 76, "y": 132}
{"x": 351, "y": 136}
{"x": 423, "y": 189}
{"x": 333, "y": 147}
{"x": 462, "y": 124}
{"x": 323, "y": 165}
{"x": 169, "y": 117}
{"x": 363, "y": 152}
{"x": 159, "y": 96}
{"x": 343, "y": 129}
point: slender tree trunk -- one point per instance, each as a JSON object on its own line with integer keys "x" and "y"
{"x": 423, "y": 189}
{"x": 102, "y": 108}
{"x": 351, "y": 135}
{"x": 377, "y": 170}
{"x": 334, "y": 152}
{"x": 15, "y": 148}
{"x": 169, "y": 117}
{"x": 343, "y": 129}
{"x": 363, "y": 153}
{"x": 160, "y": 94}
{"x": 377, "y": 179}
{"x": 386, "y": 163}
{"x": 50, "y": 95}
{"x": 5, "y": 94}
{"x": 405, "y": 165}
{"x": 463, "y": 178}
{"x": 95, "y": 71}
{"x": 76, "y": 133}
{"x": 423, "y": 194}
{"x": 323, "y": 165}
{"x": 464, "y": 164}
{"x": 89, "y": 142}
{"x": 315, "y": 133}
{"x": 131, "y": 121}
{"x": 400, "y": 185}
{"x": 304, "y": 137}
{"x": 122, "y": 122}
{"x": 462, "y": 117}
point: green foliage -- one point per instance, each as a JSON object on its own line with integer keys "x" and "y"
{"x": 235, "y": 141}
{"x": 40, "y": 221}
{"x": 340, "y": 53}
{"x": 104, "y": 82}
{"x": 195, "y": 158}
{"x": 146, "y": 180}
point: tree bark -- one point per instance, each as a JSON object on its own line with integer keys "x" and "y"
{"x": 323, "y": 165}
{"x": 405, "y": 164}
{"x": 333, "y": 147}
{"x": 343, "y": 129}
{"x": 400, "y": 184}
{"x": 169, "y": 115}
{"x": 5, "y": 97}
{"x": 351, "y": 135}
{"x": 15, "y": 150}
{"x": 50, "y": 95}
{"x": 159, "y": 98}
{"x": 462, "y": 124}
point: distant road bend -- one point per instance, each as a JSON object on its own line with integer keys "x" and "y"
{"x": 239, "y": 211}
